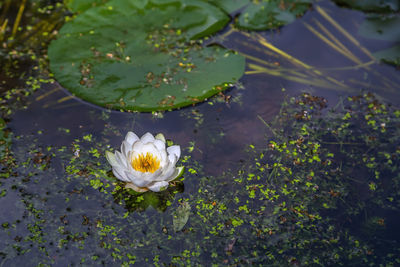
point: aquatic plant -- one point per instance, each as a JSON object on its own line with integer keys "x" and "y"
{"x": 271, "y": 14}
{"x": 146, "y": 163}
{"x": 144, "y": 55}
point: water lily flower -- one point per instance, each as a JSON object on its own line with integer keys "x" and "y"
{"x": 145, "y": 163}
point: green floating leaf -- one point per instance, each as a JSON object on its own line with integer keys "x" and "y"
{"x": 390, "y": 55}
{"x": 265, "y": 15}
{"x": 229, "y": 6}
{"x": 80, "y": 6}
{"x": 135, "y": 201}
{"x": 381, "y": 6}
{"x": 181, "y": 216}
{"x": 140, "y": 55}
{"x": 382, "y": 28}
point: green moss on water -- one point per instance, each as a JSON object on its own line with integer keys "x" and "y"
{"x": 323, "y": 191}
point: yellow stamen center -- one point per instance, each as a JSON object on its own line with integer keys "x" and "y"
{"x": 146, "y": 163}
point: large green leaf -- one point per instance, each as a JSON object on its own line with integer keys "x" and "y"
{"x": 382, "y": 6}
{"x": 271, "y": 14}
{"x": 229, "y": 6}
{"x": 80, "y": 5}
{"x": 390, "y": 55}
{"x": 382, "y": 28}
{"x": 181, "y": 216}
{"x": 140, "y": 55}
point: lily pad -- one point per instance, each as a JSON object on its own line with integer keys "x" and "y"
{"x": 271, "y": 14}
{"x": 380, "y": 6}
{"x": 80, "y": 6}
{"x": 229, "y": 6}
{"x": 144, "y": 55}
{"x": 181, "y": 216}
{"x": 382, "y": 28}
{"x": 135, "y": 201}
{"x": 390, "y": 55}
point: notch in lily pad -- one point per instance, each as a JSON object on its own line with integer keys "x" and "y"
{"x": 271, "y": 14}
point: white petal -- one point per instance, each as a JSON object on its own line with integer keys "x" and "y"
{"x": 137, "y": 180}
{"x": 160, "y": 145}
{"x": 152, "y": 176}
{"x": 146, "y": 138}
{"x": 121, "y": 159}
{"x": 157, "y": 186}
{"x": 142, "y": 179}
{"x": 178, "y": 173}
{"x": 137, "y": 189}
{"x": 162, "y": 153}
{"x": 166, "y": 175}
{"x": 164, "y": 159}
{"x": 151, "y": 148}
{"x": 111, "y": 158}
{"x": 174, "y": 150}
{"x": 120, "y": 174}
{"x": 172, "y": 159}
{"x": 126, "y": 147}
{"x": 161, "y": 137}
{"x": 138, "y": 146}
{"x": 131, "y": 138}
{"x": 173, "y": 175}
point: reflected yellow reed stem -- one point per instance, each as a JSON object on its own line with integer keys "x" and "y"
{"x": 3, "y": 29}
{"x": 294, "y": 60}
{"x": 229, "y": 32}
{"x": 334, "y": 39}
{"x": 331, "y": 44}
{"x": 46, "y": 94}
{"x": 320, "y": 10}
{"x": 355, "y": 42}
{"x": 59, "y": 101}
{"x": 343, "y": 31}
{"x": 368, "y": 85}
{"x": 259, "y": 49}
{"x": 317, "y": 83}
{"x": 256, "y": 69}
{"x": 18, "y": 18}
{"x": 276, "y": 67}
{"x": 266, "y": 124}
{"x": 388, "y": 86}
{"x": 355, "y": 67}
{"x": 256, "y": 59}
{"x": 66, "y": 98}
{"x": 363, "y": 84}
{"x": 66, "y": 106}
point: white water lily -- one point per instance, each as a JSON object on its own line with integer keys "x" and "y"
{"x": 145, "y": 163}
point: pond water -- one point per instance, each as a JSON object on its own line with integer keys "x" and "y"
{"x": 59, "y": 208}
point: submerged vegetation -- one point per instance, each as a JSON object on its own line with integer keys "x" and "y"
{"x": 323, "y": 191}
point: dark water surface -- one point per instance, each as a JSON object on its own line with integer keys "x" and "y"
{"x": 51, "y": 217}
